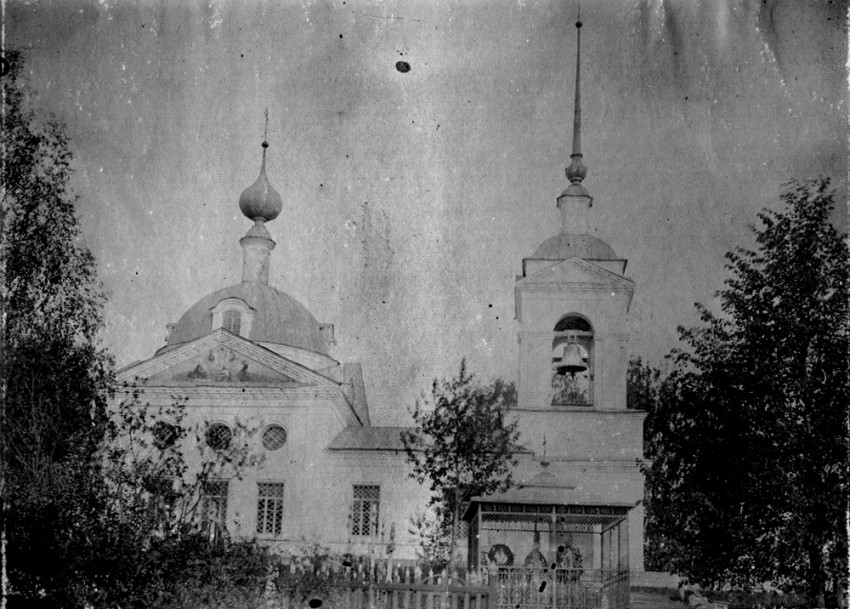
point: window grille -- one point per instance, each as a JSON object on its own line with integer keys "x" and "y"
{"x": 274, "y": 437}
{"x": 165, "y": 435}
{"x": 214, "y": 504}
{"x": 232, "y": 321}
{"x": 462, "y": 529}
{"x": 219, "y": 436}
{"x": 365, "y": 511}
{"x": 270, "y": 507}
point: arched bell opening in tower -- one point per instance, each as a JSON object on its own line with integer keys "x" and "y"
{"x": 572, "y": 362}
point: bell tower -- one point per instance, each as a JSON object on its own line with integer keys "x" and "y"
{"x": 572, "y": 301}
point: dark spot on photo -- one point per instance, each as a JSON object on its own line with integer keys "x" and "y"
{"x": 402, "y": 66}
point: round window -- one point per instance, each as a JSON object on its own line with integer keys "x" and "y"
{"x": 219, "y": 436}
{"x": 165, "y": 434}
{"x": 274, "y": 437}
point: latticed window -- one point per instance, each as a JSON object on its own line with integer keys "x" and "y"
{"x": 232, "y": 321}
{"x": 274, "y": 437}
{"x": 270, "y": 508}
{"x": 365, "y": 511}
{"x": 219, "y": 436}
{"x": 214, "y": 504}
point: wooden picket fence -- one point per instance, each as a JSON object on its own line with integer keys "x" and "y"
{"x": 384, "y": 584}
{"x": 362, "y": 583}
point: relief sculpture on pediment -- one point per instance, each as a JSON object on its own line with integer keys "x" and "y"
{"x": 222, "y": 365}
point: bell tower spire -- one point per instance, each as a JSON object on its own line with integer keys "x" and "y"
{"x": 575, "y": 201}
{"x": 576, "y": 172}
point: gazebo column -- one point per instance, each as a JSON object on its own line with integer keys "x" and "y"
{"x": 597, "y": 547}
{"x": 623, "y": 532}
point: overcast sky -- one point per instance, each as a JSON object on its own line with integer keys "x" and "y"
{"x": 411, "y": 198}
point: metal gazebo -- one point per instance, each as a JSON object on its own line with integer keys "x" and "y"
{"x": 546, "y": 544}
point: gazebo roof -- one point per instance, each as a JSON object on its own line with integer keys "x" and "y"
{"x": 542, "y": 491}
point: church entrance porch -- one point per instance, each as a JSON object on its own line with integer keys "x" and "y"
{"x": 537, "y": 556}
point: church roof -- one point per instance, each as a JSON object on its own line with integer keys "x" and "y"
{"x": 369, "y": 438}
{"x": 278, "y": 318}
{"x": 563, "y": 246}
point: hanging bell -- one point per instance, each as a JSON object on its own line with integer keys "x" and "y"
{"x": 572, "y": 361}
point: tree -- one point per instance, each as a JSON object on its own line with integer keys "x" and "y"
{"x": 747, "y": 476}
{"x": 98, "y": 506}
{"x": 462, "y": 444}
{"x": 641, "y": 385}
{"x": 156, "y": 544}
{"x": 54, "y": 376}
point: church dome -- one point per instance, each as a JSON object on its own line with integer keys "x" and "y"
{"x": 563, "y": 246}
{"x": 277, "y": 318}
{"x": 260, "y": 199}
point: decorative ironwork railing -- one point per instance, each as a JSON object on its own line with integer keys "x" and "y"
{"x": 530, "y": 588}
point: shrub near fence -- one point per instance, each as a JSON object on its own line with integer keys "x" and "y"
{"x": 364, "y": 583}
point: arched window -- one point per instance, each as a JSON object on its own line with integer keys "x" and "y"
{"x": 572, "y": 362}
{"x": 233, "y": 315}
{"x": 231, "y": 320}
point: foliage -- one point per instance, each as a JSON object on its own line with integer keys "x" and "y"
{"x": 155, "y": 528}
{"x": 434, "y": 534}
{"x": 314, "y": 577}
{"x": 54, "y": 376}
{"x": 99, "y": 506}
{"x": 462, "y": 444}
{"x": 748, "y": 473}
{"x": 641, "y": 385}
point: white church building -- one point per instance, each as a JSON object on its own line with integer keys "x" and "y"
{"x": 249, "y": 354}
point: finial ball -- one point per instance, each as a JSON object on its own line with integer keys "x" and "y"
{"x": 265, "y": 144}
{"x": 578, "y": 23}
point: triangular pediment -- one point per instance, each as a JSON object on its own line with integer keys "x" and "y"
{"x": 222, "y": 358}
{"x": 577, "y": 273}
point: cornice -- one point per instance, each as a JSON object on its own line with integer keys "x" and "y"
{"x": 560, "y": 286}
{"x": 585, "y": 412}
{"x": 201, "y": 391}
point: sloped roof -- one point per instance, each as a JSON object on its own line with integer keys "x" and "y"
{"x": 352, "y": 378}
{"x": 369, "y": 438}
{"x": 547, "y": 489}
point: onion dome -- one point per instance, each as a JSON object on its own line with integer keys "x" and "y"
{"x": 277, "y": 318}
{"x": 260, "y": 201}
